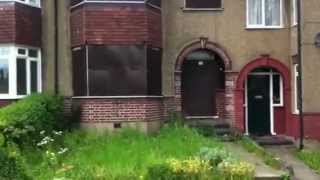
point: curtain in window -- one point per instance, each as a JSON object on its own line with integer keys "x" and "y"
{"x": 255, "y": 12}
{"x": 272, "y": 12}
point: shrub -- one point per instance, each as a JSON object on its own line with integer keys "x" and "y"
{"x": 27, "y": 117}
{"x": 236, "y": 170}
{"x": 9, "y": 168}
{"x": 215, "y": 156}
{"x": 195, "y": 169}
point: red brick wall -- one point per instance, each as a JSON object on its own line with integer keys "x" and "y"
{"x": 7, "y": 22}
{"x": 20, "y": 24}
{"x": 115, "y": 24}
{"x": 4, "y": 102}
{"x": 28, "y": 25}
{"x": 119, "y": 109}
{"x": 311, "y": 126}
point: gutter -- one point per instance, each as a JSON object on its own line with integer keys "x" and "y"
{"x": 300, "y": 86}
{"x": 56, "y": 46}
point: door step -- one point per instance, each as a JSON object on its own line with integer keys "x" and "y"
{"x": 273, "y": 141}
{"x": 211, "y": 127}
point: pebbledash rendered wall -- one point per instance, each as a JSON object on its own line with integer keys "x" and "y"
{"x": 119, "y": 24}
{"x": 246, "y": 49}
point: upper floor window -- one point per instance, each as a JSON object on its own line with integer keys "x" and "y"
{"x": 203, "y": 4}
{"x": 294, "y": 12}
{"x": 35, "y": 3}
{"x": 264, "y": 13}
{"x": 20, "y": 71}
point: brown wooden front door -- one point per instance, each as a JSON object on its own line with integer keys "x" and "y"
{"x": 199, "y": 83}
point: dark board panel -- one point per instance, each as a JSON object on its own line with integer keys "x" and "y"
{"x": 117, "y": 70}
{"x": 79, "y": 71}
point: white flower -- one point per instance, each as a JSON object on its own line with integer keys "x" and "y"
{"x": 59, "y": 133}
{"x": 63, "y": 150}
{"x": 42, "y": 132}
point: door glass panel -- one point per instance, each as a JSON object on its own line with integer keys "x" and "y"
{"x": 4, "y": 76}
{"x": 276, "y": 89}
{"x": 21, "y": 77}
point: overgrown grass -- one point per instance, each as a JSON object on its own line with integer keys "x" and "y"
{"x": 253, "y": 147}
{"x": 121, "y": 154}
{"x": 311, "y": 158}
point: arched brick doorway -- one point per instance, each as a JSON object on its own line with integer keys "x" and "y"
{"x": 280, "y": 114}
{"x": 182, "y": 66}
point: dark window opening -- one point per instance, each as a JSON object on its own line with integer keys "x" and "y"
{"x": 4, "y": 76}
{"x": 34, "y": 76}
{"x": 276, "y": 89}
{"x": 133, "y": 70}
{"x": 21, "y": 77}
{"x": 154, "y": 56}
{"x": 203, "y": 4}
{"x": 79, "y": 72}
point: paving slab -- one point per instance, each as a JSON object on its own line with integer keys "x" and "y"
{"x": 300, "y": 170}
{"x": 263, "y": 172}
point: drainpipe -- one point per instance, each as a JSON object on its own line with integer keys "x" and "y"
{"x": 56, "y": 46}
{"x": 300, "y": 87}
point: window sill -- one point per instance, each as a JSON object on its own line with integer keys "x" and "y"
{"x": 11, "y": 97}
{"x": 201, "y": 9}
{"x": 264, "y": 27}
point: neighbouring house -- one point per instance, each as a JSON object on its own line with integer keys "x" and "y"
{"x": 133, "y": 62}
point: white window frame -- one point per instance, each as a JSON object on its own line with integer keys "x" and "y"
{"x": 26, "y": 2}
{"x": 263, "y": 25}
{"x": 294, "y": 13}
{"x": 296, "y": 75}
{"x": 202, "y": 9}
{"x": 12, "y": 63}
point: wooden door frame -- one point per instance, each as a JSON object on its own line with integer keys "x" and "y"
{"x": 272, "y": 105}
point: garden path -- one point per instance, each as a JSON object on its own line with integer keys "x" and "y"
{"x": 262, "y": 170}
{"x": 300, "y": 170}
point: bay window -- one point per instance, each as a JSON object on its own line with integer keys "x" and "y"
{"x": 20, "y": 71}
{"x": 35, "y": 3}
{"x": 264, "y": 13}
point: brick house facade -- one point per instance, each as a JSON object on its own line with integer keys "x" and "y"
{"x": 132, "y": 63}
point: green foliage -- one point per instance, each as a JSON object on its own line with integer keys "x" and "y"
{"x": 236, "y": 170}
{"x": 215, "y": 156}
{"x": 126, "y": 153}
{"x": 173, "y": 169}
{"x": 311, "y": 158}
{"x": 9, "y": 167}
{"x": 24, "y": 119}
{"x": 253, "y": 147}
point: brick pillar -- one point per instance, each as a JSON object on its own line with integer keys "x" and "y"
{"x": 231, "y": 79}
{"x": 178, "y": 91}
{"x": 220, "y": 103}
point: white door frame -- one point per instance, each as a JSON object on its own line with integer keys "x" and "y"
{"x": 272, "y": 105}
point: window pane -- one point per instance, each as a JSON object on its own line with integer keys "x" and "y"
{"x": 21, "y": 77}
{"x": 255, "y": 12}
{"x": 276, "y": 89}
{"x": 203, "y": 4}
{"x": 33, "y": 53}
{"x": 34, "y": 76}
{"x": 4, "y": 76}
{"x": 272, "y": 11}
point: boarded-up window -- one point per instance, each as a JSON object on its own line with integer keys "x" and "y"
{"x": 154, "y": 56}
{"x": 117, "y": 70}
{"x": 79, "y": 71}
{"x": 203, "y": 4}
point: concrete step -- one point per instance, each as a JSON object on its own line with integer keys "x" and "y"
{"x": 273, "y": 141}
